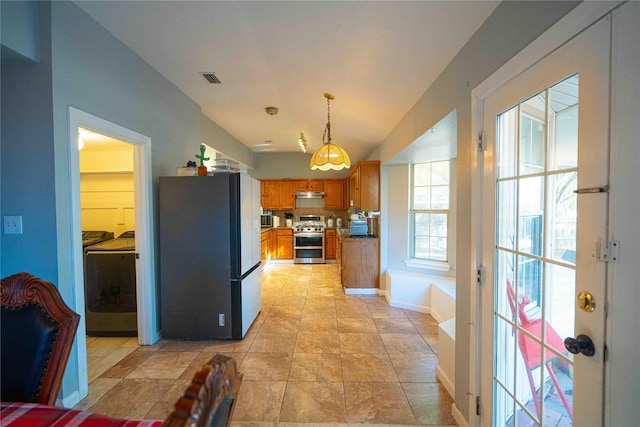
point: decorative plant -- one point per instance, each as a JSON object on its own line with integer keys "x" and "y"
{"x": 202, "y": 158}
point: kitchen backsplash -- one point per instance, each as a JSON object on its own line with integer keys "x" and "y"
{"x": 342, "y": 213}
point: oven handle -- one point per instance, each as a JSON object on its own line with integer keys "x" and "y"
{"x": 308, "y": 234}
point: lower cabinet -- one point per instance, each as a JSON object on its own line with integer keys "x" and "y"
{"x": 330, "y": 243}
{"x": 284, "y": 243}
{"x": 359, "y": 262}
{"x": 265, "y": 237}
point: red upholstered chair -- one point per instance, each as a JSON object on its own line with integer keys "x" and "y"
{"x": 37, "y": 331}
{"x": 530, "y": 349}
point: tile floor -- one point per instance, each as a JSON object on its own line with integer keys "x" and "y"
{"x": 314, "y": 355}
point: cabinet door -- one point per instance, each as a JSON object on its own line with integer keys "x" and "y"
{"x": 334, "y": 194}
{"x": 301, "y": 185}
{"x": 330, "y": 244}
{"x": 269, "y": 194}
{"x": 316, "y": 185}
{"x": 354, "y": 183}
{"x": 369, "y": 188}
{"x": 284, "y": 242}
{"x": 287, "y": 195}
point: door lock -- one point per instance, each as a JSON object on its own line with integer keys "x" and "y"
{"x": 580, "y": 344}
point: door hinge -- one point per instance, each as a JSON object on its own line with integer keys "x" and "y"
{"x": 606, "y": 251}
{"x": 481, "y": 146}
{"x": 137, "y": 255}
{"x": 479, "y": 276}
{"x": 477, "y": 405}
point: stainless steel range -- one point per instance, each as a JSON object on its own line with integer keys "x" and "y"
{"x": 308, "y": 239}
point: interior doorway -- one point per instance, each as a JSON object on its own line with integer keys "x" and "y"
{"x": 147, "y": 321}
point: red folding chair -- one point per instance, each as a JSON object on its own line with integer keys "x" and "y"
{"x": 530, "y": 349}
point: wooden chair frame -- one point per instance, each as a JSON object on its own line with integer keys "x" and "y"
{"x": 23, "y": 288}
{"x": 213, "y": 388}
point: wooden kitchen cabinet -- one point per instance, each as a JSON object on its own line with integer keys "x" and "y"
{"x": 265, "y": 237}
{"x": 277, "y": 194}
{"x": 284, "y": 243}
{"x": 330, "y": 243}
{"x": 309, "y": 185}
{"x": 360, "y": 262}
{"x": 287, "y": 195}
{"x": 334, "y": 194}
{"x": 364, "y": 186}
{"x": 270, "y": 194}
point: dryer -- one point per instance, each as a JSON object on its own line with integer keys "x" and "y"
{"x": 110, "y": 287}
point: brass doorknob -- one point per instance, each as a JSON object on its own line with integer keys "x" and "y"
{"x": 586, "y": 301}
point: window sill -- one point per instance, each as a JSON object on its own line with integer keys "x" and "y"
{"x": 428, "y": 265}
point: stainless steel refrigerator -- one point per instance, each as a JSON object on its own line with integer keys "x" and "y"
{"x": 210, "y": 279}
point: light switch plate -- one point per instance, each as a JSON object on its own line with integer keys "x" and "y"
{"x": 13, "y": 224}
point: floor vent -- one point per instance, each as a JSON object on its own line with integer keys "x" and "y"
{"x": 211, "y": 78}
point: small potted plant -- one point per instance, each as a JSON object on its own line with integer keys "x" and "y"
{"x": 202, "y": 169}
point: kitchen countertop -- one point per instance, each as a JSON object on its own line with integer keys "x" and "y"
{"x": 343, "y": 234}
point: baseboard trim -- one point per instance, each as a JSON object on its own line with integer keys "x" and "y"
{"x": 70, "y": 401}
{"x": 361, "y": 291}
{"x": 457, "y": 415}
{"x": 446, "y": 381}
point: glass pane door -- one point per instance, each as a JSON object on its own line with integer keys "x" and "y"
{"x": 535, "y": 256}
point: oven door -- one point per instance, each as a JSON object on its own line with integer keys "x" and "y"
{"x": 308, "y": 248}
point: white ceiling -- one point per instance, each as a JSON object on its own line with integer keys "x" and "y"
{"x": 377, "y": 58}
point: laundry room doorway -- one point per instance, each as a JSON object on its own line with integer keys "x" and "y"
{"x": 111, "y": 201}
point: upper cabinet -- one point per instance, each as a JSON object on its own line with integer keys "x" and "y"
{"x": 309, "y": 185}
{"x": 364, "y": 186}
{"x": 277, "y": 194}
{"x": 334, "y": 194}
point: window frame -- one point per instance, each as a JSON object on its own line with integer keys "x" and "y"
{"x": 431, "y": 263}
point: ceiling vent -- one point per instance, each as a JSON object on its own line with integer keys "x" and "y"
{"x": 211, "y": 78}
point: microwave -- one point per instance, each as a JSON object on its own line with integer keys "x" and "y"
{"x": 266, "y": 220}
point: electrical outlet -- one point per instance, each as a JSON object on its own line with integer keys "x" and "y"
{"x": 13, "y": 224}
{"x": 221, "y": 319}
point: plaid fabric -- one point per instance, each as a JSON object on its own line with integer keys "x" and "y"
{"x": 36, "y": 415}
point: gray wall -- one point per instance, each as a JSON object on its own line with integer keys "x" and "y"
{"x": 291, "y": 165}
{"x": 84, "y": 66}
{"x": 19, "y": 32}
{"x": 511, "y": 27}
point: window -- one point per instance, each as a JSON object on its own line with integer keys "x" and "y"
{"x": 429, "y": 211}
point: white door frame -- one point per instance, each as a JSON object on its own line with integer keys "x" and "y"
{"x": 143, "y": 201}
{"x": 565, "y": 29}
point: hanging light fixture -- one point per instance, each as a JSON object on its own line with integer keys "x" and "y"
{"x": 329, "y": 156}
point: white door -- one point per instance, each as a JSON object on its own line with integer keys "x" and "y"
{"x": 543, "y": 243}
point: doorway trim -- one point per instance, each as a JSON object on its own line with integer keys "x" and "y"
{"x": 572, "y": 24}
{"x": 143, "y": 201}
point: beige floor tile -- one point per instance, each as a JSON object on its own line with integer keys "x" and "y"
{"x": 163, "y": 365}
{"x": 131, "y": 398}
{"x": 292, "y": 300}
{"x": 164, "y": 406}
{"x": 97, "y": 389}
{"x": 126, "y": 365}
{"x": 425, "y": 325}
{"x": 395, "y": 326}
{"x": 405, "y": 343}
{"x": 318, "y": 323}
{"x": 286, "y": 311}
{"x": 229, "y": 346}
{"x": 281, "y": 325}
{"x": 272, "y": 342}
{"x": 432, "y": 340}
{"x": 131, "y": 342}
{"x": 386, "y": 312}
{"x": 259, "y": 401}
{"x": 377, "y": 403}
{"x": 104, "y": 345}
{"x": 177, "y": 345}
{"x": 205, "y": 357}
{"x": 315, "y": 367}
{"x": 318, "y": 342}
{"x": 266, "y": 366}
{"x": 430, "y": 402}
{"x": 102, "y": 365}
{"x": 415, "y": 368}
{"x": 320, "y": 301}
{"x": 357, "y": 324}
{"x": 361, "y": 343}
{"x": 367, "y": 368}
{"x": 312, "y": 402}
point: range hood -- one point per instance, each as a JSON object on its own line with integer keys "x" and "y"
{"x": 309, "y": 194}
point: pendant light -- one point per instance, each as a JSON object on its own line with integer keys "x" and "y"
{"x": 329, "y": 156}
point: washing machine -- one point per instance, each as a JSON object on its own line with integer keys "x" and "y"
{"x": 91, "y": 237}
{"x": 110, "y": 287}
